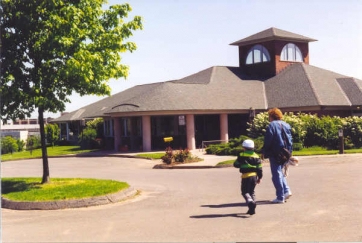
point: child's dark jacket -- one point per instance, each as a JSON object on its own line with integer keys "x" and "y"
{"x": 249, "y": 163}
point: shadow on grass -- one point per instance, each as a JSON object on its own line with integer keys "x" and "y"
{"x": 18, "y": 186}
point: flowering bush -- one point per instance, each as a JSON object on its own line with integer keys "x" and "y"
{"x": 322, "y": 131}
{"x": 181, "y": 156}
{"x": 168, "y": 157}
{"x": 310, "y": 130}
{"x": 352, "y": 130}
{"x": 257, "y": 128}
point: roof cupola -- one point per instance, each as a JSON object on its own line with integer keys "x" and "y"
{"x": 265, "y": 54}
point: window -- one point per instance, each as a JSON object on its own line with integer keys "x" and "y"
{"x": 108, "y": 128}
{"x": 291, "y": 53}
{"x": 131, "y": 126}
{"x": 257, "y": 53}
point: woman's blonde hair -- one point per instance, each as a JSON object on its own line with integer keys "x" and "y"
{"x": 275, "y": 114}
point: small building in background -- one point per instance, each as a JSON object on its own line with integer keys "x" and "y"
{"x": 22, "y": 129}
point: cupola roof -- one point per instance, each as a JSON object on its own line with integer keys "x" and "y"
{"x": 272, "y": 34}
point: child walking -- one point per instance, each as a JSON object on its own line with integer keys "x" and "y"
{"x": 250, "y": 167}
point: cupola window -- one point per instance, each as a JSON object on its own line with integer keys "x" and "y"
{"x": 257, "y": 53}
{"x": 291, "y": 53}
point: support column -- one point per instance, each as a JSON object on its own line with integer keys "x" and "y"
{"x": 67, "y": 127}
{"x": 224, "y": 129}
{"x": 190, "y": 132}
{"x": 117, "y": 133}
{"x": 146, "y": 133}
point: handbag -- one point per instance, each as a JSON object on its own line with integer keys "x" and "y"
{"x": 283, "y": 154}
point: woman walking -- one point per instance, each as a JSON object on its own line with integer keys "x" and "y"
{"x": 273, "y": 142}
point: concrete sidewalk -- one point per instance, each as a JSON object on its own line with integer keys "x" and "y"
{"x": 209, "y": 160}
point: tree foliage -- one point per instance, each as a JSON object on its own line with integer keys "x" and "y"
{"x": 52, "y": 48}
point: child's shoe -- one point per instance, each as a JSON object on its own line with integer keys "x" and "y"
{"x": 251, "y": 206}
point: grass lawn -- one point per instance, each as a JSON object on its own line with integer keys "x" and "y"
{"x": 308, "y": 152}
{"x": 151, "y": 155}
{"x": 31, "y": 189}
{"x": 52, "y": 151}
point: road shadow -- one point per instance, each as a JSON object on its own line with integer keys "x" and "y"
{"x": 228, "y": 205}
{"x": 236, "y": 215}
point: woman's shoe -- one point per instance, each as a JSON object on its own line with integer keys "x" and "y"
{"x": 276, "y": 200}
{"x": 287, "y": 195}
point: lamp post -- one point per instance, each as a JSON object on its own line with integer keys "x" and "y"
{"x": 341, "y": 141}
{"x": 251, "y": 114}
{"x": 82, "y": 125}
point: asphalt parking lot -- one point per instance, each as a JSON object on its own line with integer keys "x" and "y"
{"x": 196, "y": 205}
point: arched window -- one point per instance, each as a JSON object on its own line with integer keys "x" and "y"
{"x": 257, "y": 53}
{"x": 291, "y": 53}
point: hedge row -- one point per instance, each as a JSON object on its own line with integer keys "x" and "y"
{"x": 307, "y": 130}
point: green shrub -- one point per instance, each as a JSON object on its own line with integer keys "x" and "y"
{"x": 236, "y": 151}
{"x": 234, "y": 146}
{"x": 96, "y": 124}
{"x": 21, "y": 145}
{"x": 236, "y": 142}
{"x": 33, "y": 142}
{"x": 348, "y": 143}
{"x": 9, "y": 145}
{"x": 223, "y": 150}
{"x": 297, "y": 146}
{"x": 87, "y": 138}
{"x": 211, "y": 149}
{"x": 258, "y": 144}
{"x": 52, "y": 132}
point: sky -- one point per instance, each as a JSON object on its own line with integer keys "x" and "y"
{"x": 183, "y": 37}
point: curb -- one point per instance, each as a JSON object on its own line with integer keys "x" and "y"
{"x": 74, "y": 203}
{"x": 165, "y": 166}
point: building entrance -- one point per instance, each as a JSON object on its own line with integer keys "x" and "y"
{"x": 207, "y": 127}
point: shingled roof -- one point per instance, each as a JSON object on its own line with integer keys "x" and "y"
{"x": 272, "y": 34}
{"x": 226, "y": 89}
{"x": 302, "y": 85}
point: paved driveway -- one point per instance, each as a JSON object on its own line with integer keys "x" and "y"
{"x": 196, "y": 205}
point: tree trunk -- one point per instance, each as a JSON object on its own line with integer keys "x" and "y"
{"x": 46, "y": 178}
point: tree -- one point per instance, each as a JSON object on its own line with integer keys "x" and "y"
{"x": 52, "y": 132}
{"x": 52, "y": 48}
